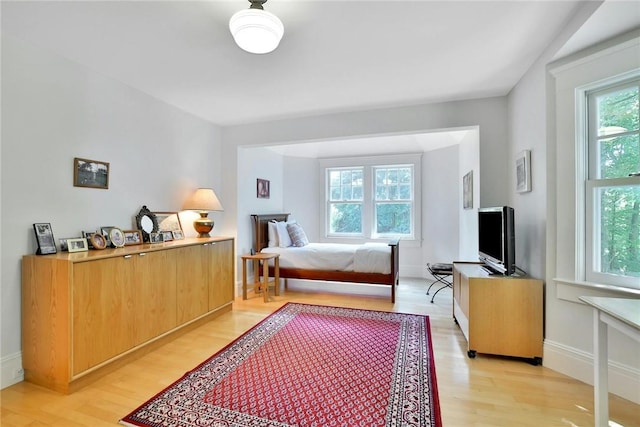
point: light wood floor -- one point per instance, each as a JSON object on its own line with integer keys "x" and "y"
{"x": 485, "y": 391}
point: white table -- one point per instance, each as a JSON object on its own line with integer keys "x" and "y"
{"x": 619, "y": 313}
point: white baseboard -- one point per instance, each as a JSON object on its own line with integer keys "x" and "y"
{"x": 414, "y": 271}
{"x": 11, "y": 370}
{"x": 624, "y": 380}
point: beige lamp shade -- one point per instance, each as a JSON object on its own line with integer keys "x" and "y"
{"x": 203, "y": 200}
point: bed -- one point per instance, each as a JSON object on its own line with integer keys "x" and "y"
{"x": 365, "y": 270}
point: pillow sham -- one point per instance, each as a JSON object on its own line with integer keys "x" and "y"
{"x": 272, "y": 234}
{"x": 284, "y": 241}
{"x": 297, "y": 235}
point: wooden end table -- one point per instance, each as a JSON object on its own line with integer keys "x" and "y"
{"x": 261, "y": 282}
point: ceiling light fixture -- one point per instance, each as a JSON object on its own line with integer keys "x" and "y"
{"x": 256, "y": 30}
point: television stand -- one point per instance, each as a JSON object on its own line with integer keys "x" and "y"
{"x": 499, "y": 315}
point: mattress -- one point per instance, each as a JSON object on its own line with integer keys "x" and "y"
{"x": 364, "y": 258}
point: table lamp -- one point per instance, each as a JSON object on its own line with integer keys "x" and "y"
{"x": 203, "y": 200}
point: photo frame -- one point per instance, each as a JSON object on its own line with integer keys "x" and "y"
{"x": 523, "y": 172}
{"x": 97, "y": 240}
{"x": 45, "y": 239}
{"x": 262, "y": 188}
{"x": 87, "y": 235}
{"x": 77, "y": 245}
{"x": 132, "y": 237}
{"x": 178, "y": 235}
{"x": 117, "y": 237}
{"x": 168, "y": 221}
{"x": 167, "y": 236}
{"x": 90, "y": 173}
{"x": 64, "y": 246}
{"x": 467, "y": 191}
{"x": 155, "y": 237}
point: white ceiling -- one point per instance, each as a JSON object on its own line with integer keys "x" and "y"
{"x": 335, "y": 55}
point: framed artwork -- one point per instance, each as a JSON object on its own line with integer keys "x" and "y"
{"x": 44, "y": 237}
{"x": 64, "y": 246}
{"x": 90, "y": 173}
{"x": 77, "y": 245}
{"x": 98, "y": 241}
{"x": 523, "y": 172}
{"x": 117, "y": 237}
{"x": 263, "y": 191}
{"x": 467, "y": 191}
{"x": 155, "y": 237}
{"x": 132, "y": 237}
{"x": 168, "y": 221}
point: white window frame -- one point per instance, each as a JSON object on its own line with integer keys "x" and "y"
{"x": 368, "y": 208}
{"x": 587, "y": 216}
{"x": 330, "y": 203}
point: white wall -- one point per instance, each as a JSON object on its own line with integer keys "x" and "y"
{"x": 302, "y": 190}
{"x": 487, "y": 115}
{"x": 253, "y": 164}
{"x": 470, "y": 160}
{"x": 570, "y": 347}
{"x": 54, "y": 110}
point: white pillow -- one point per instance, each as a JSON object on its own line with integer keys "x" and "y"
{"x": 284, "y": 240}
{"x": 273, "y": 234}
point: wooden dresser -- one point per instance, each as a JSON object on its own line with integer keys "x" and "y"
{"x": 87, "y": 313}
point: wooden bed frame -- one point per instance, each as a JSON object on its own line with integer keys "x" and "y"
{"x": 261, "y": 241}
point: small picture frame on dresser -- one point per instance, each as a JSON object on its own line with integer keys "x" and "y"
{"x": 97, "y": 240}
{"x": 77, "y": 245}
{"x": 132, "y": 237}
{"x": 64, "y": 246}
{"x": 44, "y": 237}
{"x": 155, "y": 238}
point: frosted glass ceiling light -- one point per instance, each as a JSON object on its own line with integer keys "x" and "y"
{"x": 256, "y": 30}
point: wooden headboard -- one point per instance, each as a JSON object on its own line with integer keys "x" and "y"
{"x": 261, "y": 228}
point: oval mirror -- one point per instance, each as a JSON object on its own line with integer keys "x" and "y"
{"x": 147, "y": 223}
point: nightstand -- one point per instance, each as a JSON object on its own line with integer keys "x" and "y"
{"x": 261, "y": 282}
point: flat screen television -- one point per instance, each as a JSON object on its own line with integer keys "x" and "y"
{"x": 496, "y": 239}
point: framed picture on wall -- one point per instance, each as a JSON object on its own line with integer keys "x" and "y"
{"x": 467, "y": 191}
{"x": 90, "y": 173}
{"x": 523, "y": 172}
{"x": 263, "y": 191}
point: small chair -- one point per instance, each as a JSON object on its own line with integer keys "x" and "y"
{"x": 443, "y": 275}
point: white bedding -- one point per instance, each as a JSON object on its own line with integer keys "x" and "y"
{"x": 365, "y": 258}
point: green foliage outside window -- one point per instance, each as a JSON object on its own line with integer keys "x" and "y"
{"x": 392, "y": 200}
{"x": 618, "y": 151}
{"x": 393, "y": 185}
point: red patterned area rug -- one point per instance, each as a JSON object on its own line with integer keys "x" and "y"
{"x": 309, "y": 365}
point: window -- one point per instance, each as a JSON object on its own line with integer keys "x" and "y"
{"x": 372, "y": 198}
{"x": 612, "y": 184}
{"x": 345, "y": 201}
{"x": 393, "y": 200}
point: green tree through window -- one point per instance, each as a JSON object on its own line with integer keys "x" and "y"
{"x": 614, "y": 159}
